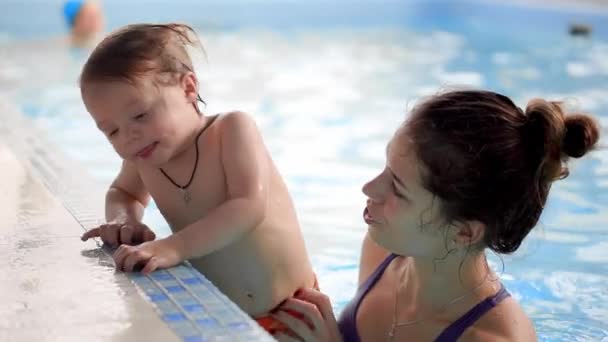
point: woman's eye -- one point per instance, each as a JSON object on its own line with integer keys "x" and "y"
{"x": 397, "y": 193}
{"x": 113, "y": 133}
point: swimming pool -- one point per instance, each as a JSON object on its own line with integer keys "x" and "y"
{"x": 328, "y": 90}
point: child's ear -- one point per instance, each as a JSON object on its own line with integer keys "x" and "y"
{"x": 189, "y": 84}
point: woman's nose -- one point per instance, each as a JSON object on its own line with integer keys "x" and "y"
{"x": 374, "y": 189}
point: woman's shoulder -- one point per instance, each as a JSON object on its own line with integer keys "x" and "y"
{"x": 505, "y": 322}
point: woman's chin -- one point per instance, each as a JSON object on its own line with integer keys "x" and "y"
{"x": 375, "y": 234}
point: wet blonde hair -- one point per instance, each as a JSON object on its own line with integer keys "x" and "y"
{"x": 137, "y": 50}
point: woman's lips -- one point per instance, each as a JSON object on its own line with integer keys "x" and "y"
{"x": 147, "y": 151}
{"x": 367, "y": 217}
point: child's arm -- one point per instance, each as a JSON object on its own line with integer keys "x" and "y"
{"x": 126, "y": 200}
{"x": 127, "y": 197}
{"x": 246, "y": 166}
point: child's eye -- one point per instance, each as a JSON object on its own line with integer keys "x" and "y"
{"x": 140, "y": 116}
{"x": 113, "y": 133}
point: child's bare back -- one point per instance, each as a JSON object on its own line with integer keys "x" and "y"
{"x": 211, "y": 176}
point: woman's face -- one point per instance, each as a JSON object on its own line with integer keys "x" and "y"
{"x": 402, "y": 216}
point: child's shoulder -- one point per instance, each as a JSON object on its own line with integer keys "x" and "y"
{"x": 235, "y": 117}
{"x": 235, "y": 121}
{"x": 237, "y": 129}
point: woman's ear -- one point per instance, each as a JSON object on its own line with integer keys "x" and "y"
{"x": 189, "y": 84}
{"x": 469, "y": 233}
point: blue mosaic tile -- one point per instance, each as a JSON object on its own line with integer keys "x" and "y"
{"x": 195, "y": 338}
{"x": 160, "y": 276}
{"x": 172, "y": 317}
{"x": 157, "y": 297}
{"x": 175, "y": 289}
{"x": 194, "y": 308}
{"x": 192, "y": 281}
{"x": 186, "y": 300}
{"x": 239, "y": 326}
{"x": 208, "y": 323}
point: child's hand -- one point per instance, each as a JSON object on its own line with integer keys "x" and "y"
{"x": 149, "y": 255}
{"x": 115, "y": 234}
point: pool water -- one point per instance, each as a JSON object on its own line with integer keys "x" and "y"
{"x": 328, "y": 91}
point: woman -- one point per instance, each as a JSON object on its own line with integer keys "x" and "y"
{"x": 468, "y": 171}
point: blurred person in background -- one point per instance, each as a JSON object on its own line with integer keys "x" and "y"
{"x": 84, "y": 19}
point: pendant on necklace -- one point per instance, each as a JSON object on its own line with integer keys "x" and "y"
{"x": 391, "y": 333}
{"x": 186, "y": 195}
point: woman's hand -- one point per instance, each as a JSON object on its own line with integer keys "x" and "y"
{"x": 317, "y": 322}
{"x": 149, "y": 255}
{"x": 115, "y": 234}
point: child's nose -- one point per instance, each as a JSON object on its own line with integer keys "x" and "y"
{"x": 133, "y": 134}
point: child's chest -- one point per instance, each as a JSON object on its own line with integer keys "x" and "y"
{"x": 182, "y": 205}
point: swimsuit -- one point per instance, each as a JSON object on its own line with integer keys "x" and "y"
{"x": 348, "y": 319}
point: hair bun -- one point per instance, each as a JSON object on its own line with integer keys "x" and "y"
{"x": 582, "y": 134}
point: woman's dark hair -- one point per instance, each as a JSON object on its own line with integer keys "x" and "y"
{"x": 490, "y": 161}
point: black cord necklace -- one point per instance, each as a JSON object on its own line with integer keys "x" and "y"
{"x": 184, "y": 188}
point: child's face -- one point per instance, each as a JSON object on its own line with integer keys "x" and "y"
{"x": 144, "y": 123}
